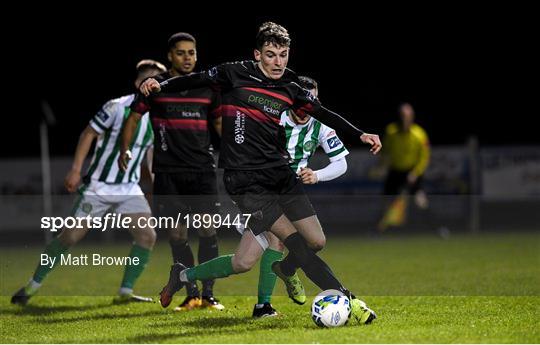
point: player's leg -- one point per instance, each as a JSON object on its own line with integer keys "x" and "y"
{"x": 59, "y": 245}
{"x": 311, "y": 230}
{"x": 238, "y": 185}
{"x": 395, "y": 200}
{"x": 170, "y": 201}
{"x": 246, "y": 255}
{"x": 298, "y": 209}
{"x": 314, "y": 268}
{"x": 306, "y": 258}
{"x": 267, "y": 278}
{"x": 273, "y": 251}
{"x": 244, "y": 258}
{"x": 208, "y": 250}
{"x": 206, "y": 202}
{"x": 144, "y": 238}
{"x": 182, "y": 253}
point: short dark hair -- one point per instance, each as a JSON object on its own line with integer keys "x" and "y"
{"x": 180, "y": 36}
{"x": 147, "y": 64}
{"x": 308, "y": 83}
{"x": 272, "y": 33}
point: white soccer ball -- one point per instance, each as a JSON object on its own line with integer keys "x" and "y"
{"x": 331, "y": 308}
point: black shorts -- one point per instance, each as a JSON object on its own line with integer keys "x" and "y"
{"x": 396, "y": 182}
{"x": 186, "y": 192}
{"x": 266, "y": 194}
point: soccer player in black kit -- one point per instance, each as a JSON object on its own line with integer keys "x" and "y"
{"x": 183, "y": 165}
{"x": 257, "y": 175}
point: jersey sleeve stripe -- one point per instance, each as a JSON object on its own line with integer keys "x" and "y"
{"x": 336, "y": 152}
{"x": 94, "y": 122}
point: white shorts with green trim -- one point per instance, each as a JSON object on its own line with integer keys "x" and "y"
{"x": 98, "y": 198}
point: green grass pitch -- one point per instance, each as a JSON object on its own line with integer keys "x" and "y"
{"x": 468, "y": 289}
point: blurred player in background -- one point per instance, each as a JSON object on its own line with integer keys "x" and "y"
{"x": 257, "y": 175}
{"x": 184, "y": 167}
{"x": 107, "y": 189}
{"x": 406, "y": 157}
{"x": 303, "y": 137}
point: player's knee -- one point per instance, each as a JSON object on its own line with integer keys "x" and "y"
{"x": 317, "y": 244}
{"x": 206, "y": 232}
{"x": 274, "y": 243}
{"x": 177, "y": 236}
{"x": 146, "y": 238}
{"x": 298, "y": 247}
{"x": 278, "y": 246}
{"x": 69, "y": 237}
{"x": 241, "y": 265}
{"x": 67, "y": 241}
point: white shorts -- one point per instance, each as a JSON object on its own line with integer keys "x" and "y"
{"x": 261, "y": 238}
{"x": 97, "y": 198}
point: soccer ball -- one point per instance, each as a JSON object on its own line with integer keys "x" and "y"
{"x": 331, "y": 308}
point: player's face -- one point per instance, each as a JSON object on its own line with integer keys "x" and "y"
{"x": 183, "y": 57}
{"x": 272, "y": 60}
{"x": 406, "y": 115}
{"x": 301, "y": 121}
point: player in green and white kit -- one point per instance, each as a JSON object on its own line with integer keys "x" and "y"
{"x": 303, "y": 137}
{"x": 107, "y": 189}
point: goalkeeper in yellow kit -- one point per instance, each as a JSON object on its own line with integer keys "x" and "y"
{"x": 406, "y": 155}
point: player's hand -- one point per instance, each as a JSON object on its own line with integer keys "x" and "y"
{"x": 411, "y": 178}
{"x": 149, "y": 86}
{"x": 123, "y": 160}
{"x": 308, "y": 176}
{"x": 373, "y": 140}
{"x": 72, "y": 180}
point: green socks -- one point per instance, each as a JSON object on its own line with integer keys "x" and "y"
{"x": 267, "y": 278}
{"x": 52, "y": 250}
{"x": 219, "y": 267}
{"x": 133, "y": 272}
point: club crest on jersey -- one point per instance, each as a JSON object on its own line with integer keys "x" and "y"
{"x": 333, "y": 142}
{"x": 86, "y": 207}
{"x": 310, "y": 146}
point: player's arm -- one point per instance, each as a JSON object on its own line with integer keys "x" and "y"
{"x": 216, "y": 77}
{"x": 73, "y": 177}
{"x": 336, "y": 152}
{"x": 379, "y": 170}
{"x": 149, "y": 160}
{"x": 217, "y": 123}
{"x": 215, "y": 112}
{"x": 128, "y": 131}
{"x": 423, "y": 159}
{"x": 305, "y": 104}
{"x": 333, "y": 170}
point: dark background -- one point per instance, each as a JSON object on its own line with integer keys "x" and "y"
{"x": 465, "y": 70}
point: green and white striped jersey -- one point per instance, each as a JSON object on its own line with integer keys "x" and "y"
{"x": 303, "y": 140}
{"x": 108, "y": 122}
